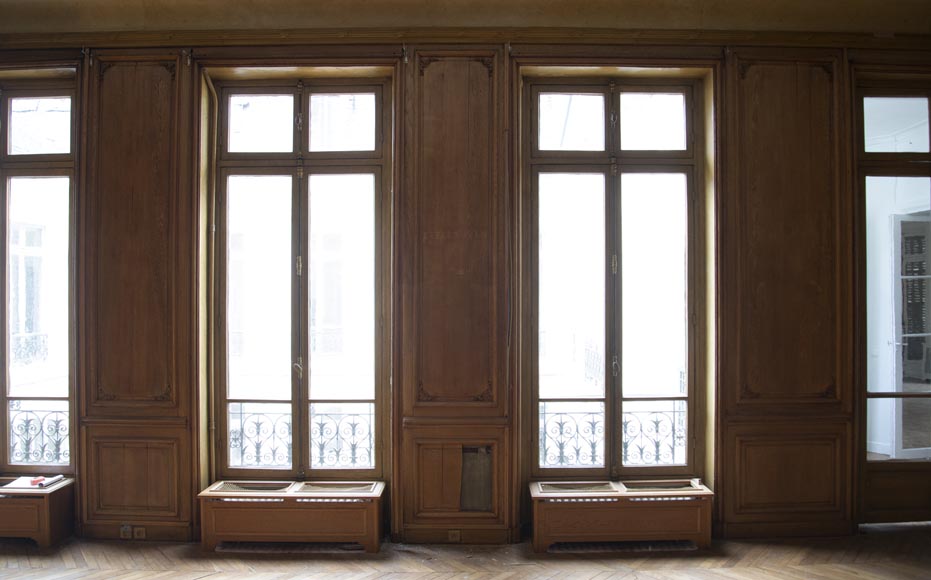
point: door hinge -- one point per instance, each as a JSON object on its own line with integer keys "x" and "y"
{"x": 299, "y": 266}
{"x": 615, "y": 366}
{"x": 614, "y": 264}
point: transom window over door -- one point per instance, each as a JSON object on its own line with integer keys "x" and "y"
{"x": 303, "y": 216}
{"x": 36, "y": 182}
{"x": 610, "y": 168}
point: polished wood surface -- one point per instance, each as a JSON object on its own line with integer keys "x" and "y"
{"x": 453, "y": 293}
{"x": 136, "y": 293}
{"x": 786, "y": 444}
{"x": 129, "y": 202}
{"x": 880, "y": 552}
{"x": 453, "y": 357}
{"x": 787, "y": 436}
{"x": 786, "y": 195}
{"x": 621, "y": 514}
{"x": 45, "y": 515}
{"x": 896, "y": 16}
{"x": 896, "y": 491}
{"x": 292, "y": 516}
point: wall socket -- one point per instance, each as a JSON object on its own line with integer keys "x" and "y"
{"x": 453, "y": 535}
{"x": 139, "y": 533}
{"x": 126, "y": 532}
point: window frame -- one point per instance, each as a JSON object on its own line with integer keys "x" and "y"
{"x": 301, "y": 164}
{"x": 39, "y": 166}
{"x": 882, "y": 164}
{"x": 613, "y": 163}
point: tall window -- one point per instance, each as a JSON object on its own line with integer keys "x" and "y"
{"x": 894, "y": 158}
{"x": 36, "y": 174}
{"x": 302, "y": 212}
{"x": 610, "y": 168}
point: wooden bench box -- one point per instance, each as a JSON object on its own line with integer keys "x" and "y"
{"x": 45, "y": 515}
{"x": 609, "y": 511}
{"x": 286, "y": 511}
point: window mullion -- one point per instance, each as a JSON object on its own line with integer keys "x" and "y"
{"x": 299, "y": 322}
{"x": 614, "y": 272}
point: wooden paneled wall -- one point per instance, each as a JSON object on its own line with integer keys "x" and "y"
{"x": 786, "y": 429}
{"x": 136, "y": 294}
{"x": 453, "y": 432}
{"x": 786, "y": 445}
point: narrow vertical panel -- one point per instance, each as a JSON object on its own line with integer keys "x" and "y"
{"x": 785, "y": 452}
{"x": 132, "y": 202}
{"x": 456, "y": 287}
{"x": 440, "y": 474}
{"x": 788, "y": 207}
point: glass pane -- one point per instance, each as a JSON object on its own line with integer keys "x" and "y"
{"x": 40, "y": 125}
{"x": 915, "y": 364}
{"x": 655, "y": 432}
{"x": 898, "y": 429}
{"x": 895, "y": 124}
{"x": 260, "y": 435}
{"x": 572, "y": 122}
{"x": 880, "y": 425}
{"x": 914, "y": 293}
{"x": 259, "y": 273}
{"x": 261, "y": 123}
{"x": 654, "y": 284}
{"x": 916, "y": 424}
{"x": 342, "y": 122}
{"x": 342, "y": 435}
{"x": 37, "y": 277}
{"x": 342, "y": 286}
{"x": 571, "y": 349}
{"x": 39, "y": 432}
{"x": 653, "y": 122}
{"x": 572, "y": 434}
{"x": 897, "y": 231}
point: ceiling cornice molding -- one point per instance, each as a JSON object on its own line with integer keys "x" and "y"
{"x": 363, "y": 36}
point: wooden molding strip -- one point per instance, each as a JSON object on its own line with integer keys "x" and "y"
{"x": 330, "y": 36}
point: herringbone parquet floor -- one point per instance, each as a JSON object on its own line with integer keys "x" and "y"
{"x": 900, "y": 552}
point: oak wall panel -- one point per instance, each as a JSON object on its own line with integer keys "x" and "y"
{"x": 132, "y": 232}
{"x": 435, "y": 487}
{"x": 786, "y": 440}
{"x": 786, "y": 206}
{"x": 134, "y": 474}
{"x": 896, "y": 492}
{"x": 136, "y": 295}
{"x": 788, "y": 471}
{"x": 453, "y": 435}
{"x": 454, "y": 309}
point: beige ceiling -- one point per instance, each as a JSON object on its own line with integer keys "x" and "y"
{"x": 871, "y": 16}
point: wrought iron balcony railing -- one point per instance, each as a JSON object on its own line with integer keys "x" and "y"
{"x": 38, "y": 436}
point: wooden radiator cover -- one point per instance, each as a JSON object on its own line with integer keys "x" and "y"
{"x": 609, "y": 511}
{"x": 285, "y": 511}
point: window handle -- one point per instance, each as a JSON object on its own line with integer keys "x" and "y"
{"x": 615, "y": 366}
{"x": 298, "y": 367}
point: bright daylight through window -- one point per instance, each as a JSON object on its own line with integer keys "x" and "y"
{"x": 897, "y": 195}
{"x": 37, "y": 165}
{"x": 301, "y": 211}
{"x": 611, "y": 169}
